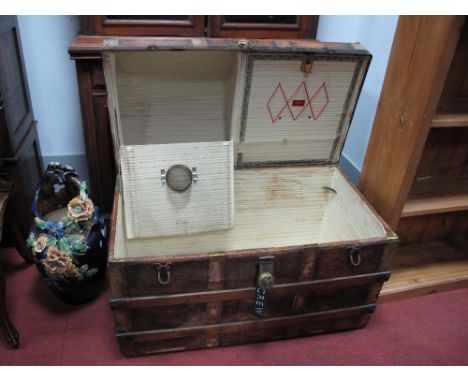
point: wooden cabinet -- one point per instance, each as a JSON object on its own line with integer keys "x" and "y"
{"x": 143, "y": 25}
{"x": 416, "y": 168}
{"x": 86, "y": 50}
{"x": 20, "y": 154}
{"x": 15, "y": 103}
{"x": 96, "y": 129}
{"x": 211, "y": 26}
{"x": 263, "y": 26}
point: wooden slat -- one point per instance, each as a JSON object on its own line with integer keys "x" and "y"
{"x": 450, "y": 120}
{"x": 253, "y": 325}
{"x": 425, "y": 268}
{"x": 418, "y": 65}
{"x": 435, "y": 205}
{"x": 244, "y": 293}
{"x": 437, "y": 195}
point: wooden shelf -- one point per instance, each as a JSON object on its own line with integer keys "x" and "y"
{"x": 434, "y": 195}
{"x": 450, "y": 120}
{"x": 424, "y": 268}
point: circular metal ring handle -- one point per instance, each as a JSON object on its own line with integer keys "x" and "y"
{"x": 179, "y": 177}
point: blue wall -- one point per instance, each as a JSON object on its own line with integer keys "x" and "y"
{"x": 53, "y": 87}
{"x": 376, "y": 34}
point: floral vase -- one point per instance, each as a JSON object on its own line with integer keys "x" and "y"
{"x": 68, "y": 237}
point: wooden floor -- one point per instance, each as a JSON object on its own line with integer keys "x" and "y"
{"x": 424, "y": 268}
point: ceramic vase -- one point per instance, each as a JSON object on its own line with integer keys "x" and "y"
{"x": 68, "y": 236}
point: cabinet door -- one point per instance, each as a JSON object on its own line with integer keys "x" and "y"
{"x": 143, "y": 25}
{"x": 15, "y": 105}
{"x": 263, "y": 26}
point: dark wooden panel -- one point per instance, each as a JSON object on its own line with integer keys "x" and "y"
{"x": 219, "y": 26}
{"x": 337, "y": 263}
{"x": 96, "y": 129}
{"x": 19, "y": 145}
{"x": 243, "y": 293}
{"x": 25, "y": 171}
{"x": 263, "y": 26}
{"x": 191, "y": 274}
{"x": 129, "y": 348}
{"x": 436, "y": 206}
{"x": 307, "y": 329}
{"x": 304, "y": 46}
{"x": 14, "y": 94}
{"x": 428, "y": 267}
{"x": 425, "y": 228}
{"x": 454, "y": 97}
{"x": 315, "y": 300}
{"x": 186, "y": 276}
{"x": 187, "y": 310}
{"x": 241, "y": 272}
{"x": 165, "y": 317}
{"x": 445, "y": 153}
{"x": 159, "y": 341}
{"x": 143, "y": 25}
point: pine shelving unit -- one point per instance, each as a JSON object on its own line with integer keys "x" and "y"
{"x": 416, "y": 169}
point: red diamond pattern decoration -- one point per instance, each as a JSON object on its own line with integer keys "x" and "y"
{"x": 300, "y": 98}
{"x": 319, "y": 101}
{"x": 277, "y": 103}
{"x": 298, "y": 102}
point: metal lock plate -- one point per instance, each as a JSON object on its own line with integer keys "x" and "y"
{"x": 265, "y": 278}
{"x": 265, "y": 281}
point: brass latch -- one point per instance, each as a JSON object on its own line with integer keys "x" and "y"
{"x": 306, "y": 65}
{"x": 244, "y": 43}
{"x": 265, "y": 278}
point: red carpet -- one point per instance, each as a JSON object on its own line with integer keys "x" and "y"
{"x": 431, "y": 330}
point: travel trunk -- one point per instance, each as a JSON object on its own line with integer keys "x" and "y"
{"x": 232, "y": 223}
